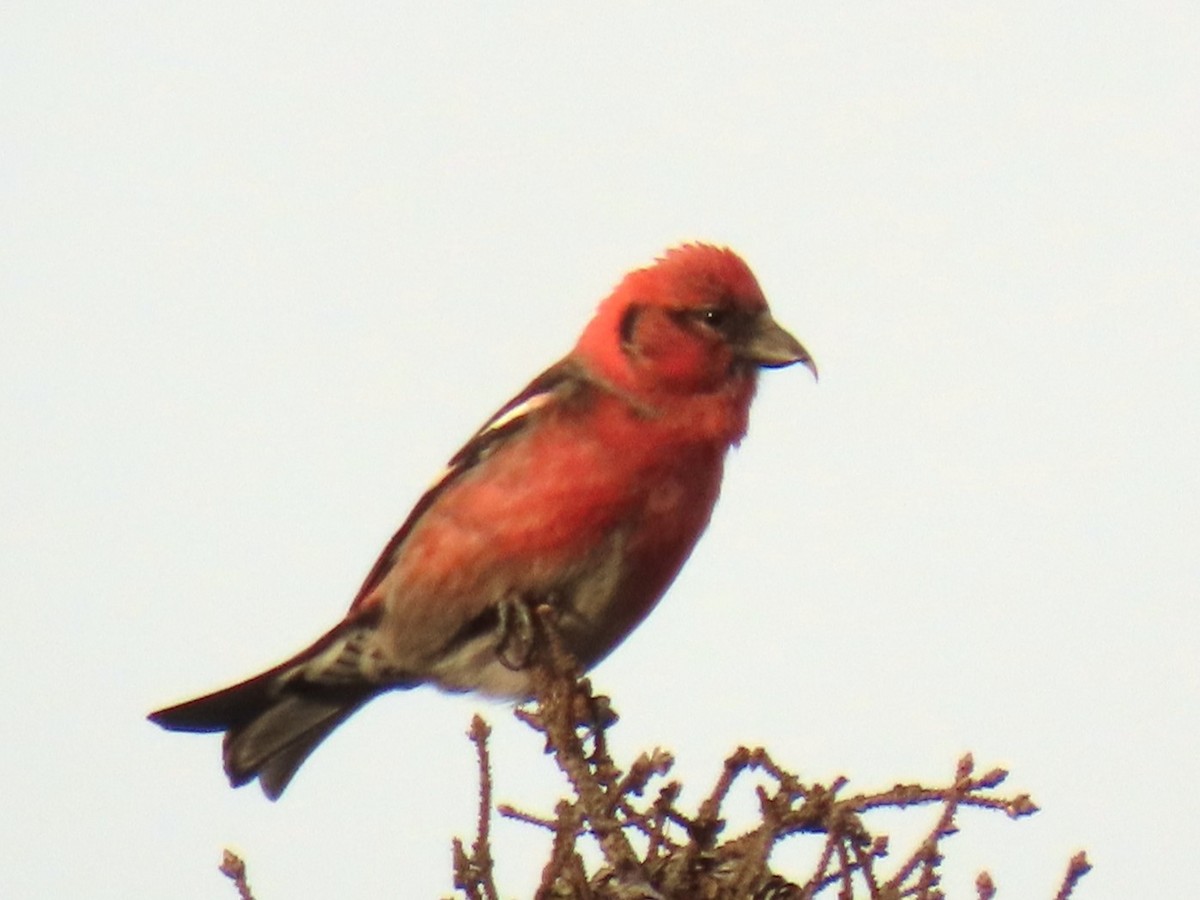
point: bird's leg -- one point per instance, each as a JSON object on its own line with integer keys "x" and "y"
{"x": 518, "y": 634}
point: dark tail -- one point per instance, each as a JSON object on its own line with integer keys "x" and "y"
{"x": 272, "y": 722}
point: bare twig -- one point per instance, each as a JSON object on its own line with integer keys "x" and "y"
{"x": 233, "y": 868}
{"x": 474, "y": 873}
{"x": 1076, "y": 869}
{"x": 690, "y": 856}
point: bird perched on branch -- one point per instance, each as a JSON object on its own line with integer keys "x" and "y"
{"x": 586, "y": 492}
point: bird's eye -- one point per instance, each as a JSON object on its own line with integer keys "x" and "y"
{"x": 717, "y": 320}
{"x": 714, "y": 317}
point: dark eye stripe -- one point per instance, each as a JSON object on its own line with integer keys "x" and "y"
{"x": 728, "y": 323}
{"x": 629, "y": 323}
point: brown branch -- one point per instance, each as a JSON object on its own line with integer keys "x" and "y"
{"x": 233, "y": 868}
{"x": 474, "y": 873}
{"x": 689, "y": 855}
{"x": 1076, "y": 869}
{"x": 563, "y": 700}
{"x": 511, "y": 812}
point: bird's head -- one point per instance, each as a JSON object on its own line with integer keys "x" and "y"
{"x": 693, "y": 322}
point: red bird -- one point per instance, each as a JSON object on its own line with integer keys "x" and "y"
{"x": 587, "y": 491}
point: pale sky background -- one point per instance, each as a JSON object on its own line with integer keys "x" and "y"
{"x": 263, "y": 267}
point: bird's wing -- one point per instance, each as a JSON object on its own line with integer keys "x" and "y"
{"x": 552, "y": 387}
